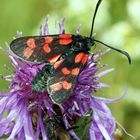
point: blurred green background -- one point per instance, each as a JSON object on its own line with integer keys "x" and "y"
{"x": 117, "y": 24}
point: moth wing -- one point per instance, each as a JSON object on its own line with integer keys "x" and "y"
{"x": 41, "y": 48}
{"x": 62, "y": 82}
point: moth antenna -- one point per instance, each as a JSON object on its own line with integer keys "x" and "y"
{"x": 94, "y": 16}
{"x": 118, "y": 50}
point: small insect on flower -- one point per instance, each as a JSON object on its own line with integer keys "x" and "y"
{"x": 55, "y": 129}
{"x": 55, "y": 126}
{"x": 64, "y": 56}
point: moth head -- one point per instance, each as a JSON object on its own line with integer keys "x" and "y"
{"x": 82, "y": 43}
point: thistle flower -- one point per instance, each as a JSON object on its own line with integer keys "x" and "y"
{"x": 25, "y": 110}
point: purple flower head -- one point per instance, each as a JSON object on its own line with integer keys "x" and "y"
{"x": 25, "y": 110}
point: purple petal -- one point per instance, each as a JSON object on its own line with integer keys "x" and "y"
{"x": 28, "y": 127}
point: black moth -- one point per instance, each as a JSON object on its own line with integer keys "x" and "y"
{"x": 56, "y": 130}
{"x": 64, "y": 56}
{"x": 55, "y": 126}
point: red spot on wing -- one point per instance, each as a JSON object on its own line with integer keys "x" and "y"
{"x": 48, "y": 39}
{"x": 79, "y": 57}
{"x": 67, "y": 85}
{"x": 46, "y": 48}
{"x": 61, "y": 85}
{"x": 57, "y": 64}
{"x": 30, "y": 47}
{"x": 31, "y": 43}
{"x": 75, "y": 71}
{"x": 85, "y": 58}
{"x": 65, "y": 39}
{"x": 54, "y": 58}
{"x": 65, "y": 36}
{"x": 65, "y": 71}
{"x": 27, "y": 52}
{"x": 57, "y": 86}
